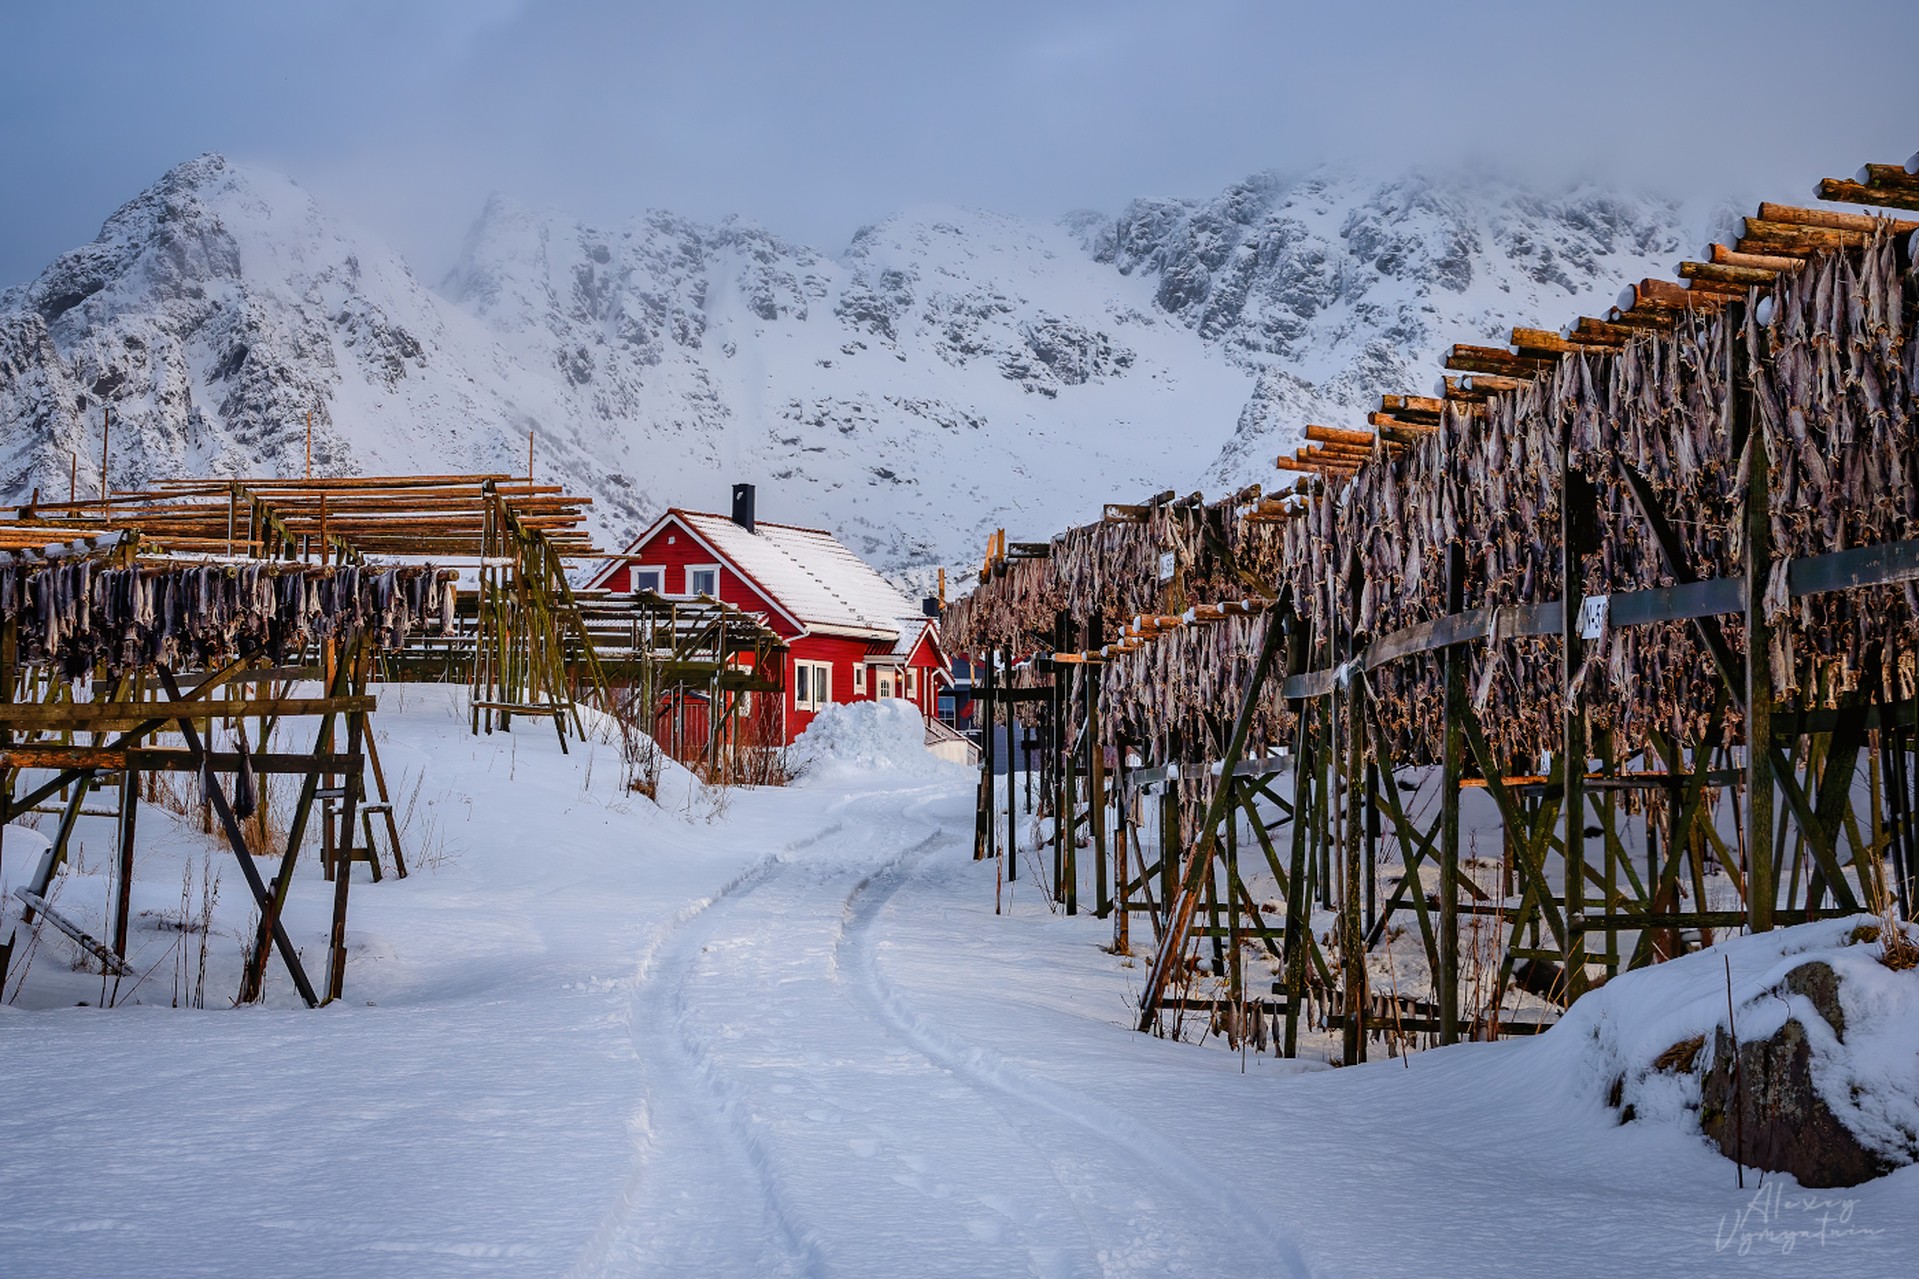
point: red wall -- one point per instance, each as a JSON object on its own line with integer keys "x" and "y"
{"x": 841, "y": 652}
{"x": 684, "y": 550}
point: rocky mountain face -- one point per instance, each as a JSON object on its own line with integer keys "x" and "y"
{"x": 1332, "y": 288}
{"x": 949, "y": 373}
{"x": 210, "y": 316}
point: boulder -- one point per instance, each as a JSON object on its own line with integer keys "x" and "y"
{"x": 1767, "y": 1113}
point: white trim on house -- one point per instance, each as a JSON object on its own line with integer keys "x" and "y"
{"x": 692, "y": 579}
{"x": 659, "y": 578}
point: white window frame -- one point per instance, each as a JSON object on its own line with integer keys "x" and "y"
{"x": 692, "y": 570}
{"x": 886, "y": 684}
{"x": 819, "y": 682}
{"x": 859, "y": 679}
{"x": 912, "y": 684}
{"x": 657, "y": 569}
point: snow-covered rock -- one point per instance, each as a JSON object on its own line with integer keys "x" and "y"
{"x": 1659, "y": 1042}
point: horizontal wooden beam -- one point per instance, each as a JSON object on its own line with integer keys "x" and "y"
{"x": 1385, "y": 420}
{"x": 1723, "y": 256}
{"x": 91, "y": 716}
{"x": 1340, "y": 435}
{"x": 1495, "y": 360}
{"x": 1833, "y": 220}
{"x": 160, "y": 759}
{"x": 1741, "y": 277}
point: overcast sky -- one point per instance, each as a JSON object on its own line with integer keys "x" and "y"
{"x": 816, "y": 118}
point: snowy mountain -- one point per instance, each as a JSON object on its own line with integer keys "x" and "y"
{"x": 213, "y": 313}
{"x": 949, "y": 373}
{"x": 1333, "y": 288}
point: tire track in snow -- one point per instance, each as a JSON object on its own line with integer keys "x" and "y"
{"x": 989, "y": 1073}
{"x": 667, "y": 960}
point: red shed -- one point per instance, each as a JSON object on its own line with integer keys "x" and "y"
{"x": 852, "y": 636}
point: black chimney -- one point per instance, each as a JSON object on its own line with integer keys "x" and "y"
{"x": 743, "y": 506}
{"x": 930, "y": 606}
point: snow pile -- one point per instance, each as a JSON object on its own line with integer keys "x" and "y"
{"x": 856, "y": 738}
{"x": 1635, "y": 1036}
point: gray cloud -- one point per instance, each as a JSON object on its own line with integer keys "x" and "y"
{"x": 815, "y": 118}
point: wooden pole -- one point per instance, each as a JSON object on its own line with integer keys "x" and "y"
{"x": 123, "y": 888}
{"x": 984, "y": 812}
{"x": 1069, "y": 777}
{"x": 1096, "y": 770}
{"x": 1576, "y": 497}
{"x": 1351, "y": 934}
{"x": 1452, "y": 767}
{"x": 343, "y": 861}
{"x": 309, "y": 444}
{"x": 106, "y": 430}
{"x": 1299, "y": 929}
{"x": 1761, "y": 885}
{"x": 1012, "y": 760}
{"x": 1062, "y": 765}
{"x": 1122, "y": 928}
{"x": 529, "y": 455}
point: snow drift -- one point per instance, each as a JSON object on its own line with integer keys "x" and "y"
{"x": 1651, "y": 1040}
{"x": 858, "y": 738}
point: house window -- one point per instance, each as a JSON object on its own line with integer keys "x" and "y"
{"x": 703, "y": 579}
{"x": 649, "y": 577}
{"x": 886, "y": 686}
{"x": 912, "y": 684}
{"x": 859, "y": 678}
{"x": 812, "y": 685}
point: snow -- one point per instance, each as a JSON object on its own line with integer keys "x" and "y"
{"x": 1870, "y": 1081}
{"x": 783, "y": 1032}
{"x": 807, "y": 571}
{"x": 886, "y": 735}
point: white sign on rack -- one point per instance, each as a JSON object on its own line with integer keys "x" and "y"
{"x": 1167, "y": 563}
{"x": 1593, "y": 611}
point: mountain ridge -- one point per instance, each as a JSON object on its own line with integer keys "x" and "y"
{"x": 949, "y": 372}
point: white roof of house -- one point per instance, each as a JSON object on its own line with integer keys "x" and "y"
{"x": 808, "y": 573}
{"x": 911, "y": 628}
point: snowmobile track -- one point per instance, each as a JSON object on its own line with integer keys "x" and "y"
{"x": 986, "y": 1071}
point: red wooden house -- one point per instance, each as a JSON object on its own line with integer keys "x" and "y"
{"x": 851, "y": 635}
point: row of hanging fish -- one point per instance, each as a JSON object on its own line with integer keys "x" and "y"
{"x": 1834, "y": 369}
{"x": 80, "y": 615}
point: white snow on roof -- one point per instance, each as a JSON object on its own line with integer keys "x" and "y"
{"x": 807, "y": 572}
{"x": 911, "y": 628}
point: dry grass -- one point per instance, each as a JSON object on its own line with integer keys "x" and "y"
{"x": 1896, "y": 949}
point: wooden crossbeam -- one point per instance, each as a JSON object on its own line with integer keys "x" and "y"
{"x": 93, "y": 716}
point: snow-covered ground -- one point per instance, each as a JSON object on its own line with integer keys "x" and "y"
{"x": 783, "y": 1032}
